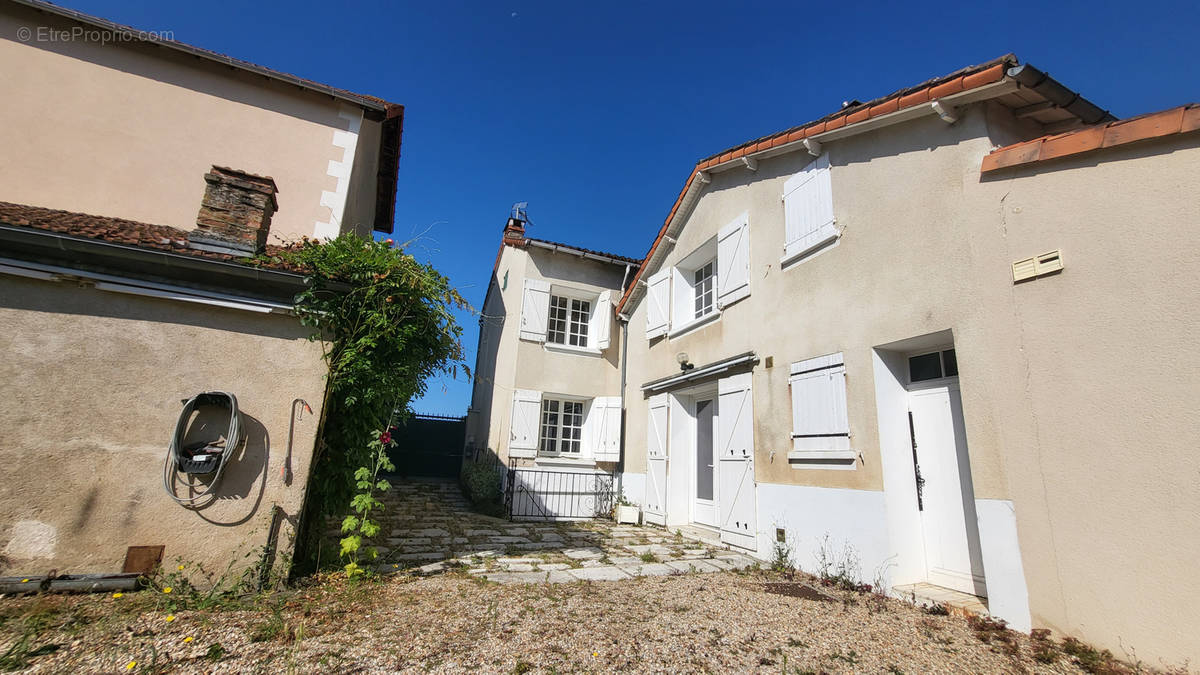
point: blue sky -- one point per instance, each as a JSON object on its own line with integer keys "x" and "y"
{"x": 595, "y": 112}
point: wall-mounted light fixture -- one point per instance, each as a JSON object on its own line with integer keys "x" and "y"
{"x": 682, "y": 358}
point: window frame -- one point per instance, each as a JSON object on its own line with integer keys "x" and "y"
{"x": 942, "y": 377}
{"x": 560, "y": 426}
{"x": 682, "y": 316}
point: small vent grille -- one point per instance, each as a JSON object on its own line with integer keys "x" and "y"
{"x": 1037, "y": 266}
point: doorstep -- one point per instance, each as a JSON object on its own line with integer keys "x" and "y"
{"x": 956, "y": 602}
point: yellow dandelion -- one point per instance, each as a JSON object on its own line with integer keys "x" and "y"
{"x": 24, "y": 581}
{"x": 130, "y": 665}
{"x": 397, "y": 566}
{"x": 180, "y": 568}
{"x": 188, "y": 638}
{"x": 595, "y": 653}
{"x": 118, "y": 596}
{"x": 170, "y": 618}
{"x": 167, "y": 589}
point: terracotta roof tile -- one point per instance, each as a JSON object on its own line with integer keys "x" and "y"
{"x": 1183, "y": 119}
{"x": 120, "y": 231}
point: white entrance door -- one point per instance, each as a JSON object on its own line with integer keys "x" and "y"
{"x": 704, "y": 495}
{"x": 951, "y": 532}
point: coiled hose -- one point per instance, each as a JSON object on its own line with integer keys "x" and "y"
{"x": 204, "y": 458}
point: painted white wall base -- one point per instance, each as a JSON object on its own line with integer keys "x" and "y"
{"x": 633, "y": 486}
{"x": 852, "y": 518}
{"x": 1008, "y": 597}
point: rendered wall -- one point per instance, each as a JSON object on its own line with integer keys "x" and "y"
{"x": 1076, "y": 388}
{"x": 129, "y": 130}
{"x": 93, "y": 381}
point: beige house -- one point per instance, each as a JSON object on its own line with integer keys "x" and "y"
{"x": 923, "y": 332}
{"x": 125, "y": 286}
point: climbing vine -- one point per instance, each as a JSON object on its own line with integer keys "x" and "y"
{"x": 388, "y": 324}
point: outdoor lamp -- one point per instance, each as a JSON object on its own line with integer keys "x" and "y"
{"x": 682, "y": 358}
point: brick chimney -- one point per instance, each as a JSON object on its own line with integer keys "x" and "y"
{"x": 514, "y": 232}
{"x": 235, "y": 214}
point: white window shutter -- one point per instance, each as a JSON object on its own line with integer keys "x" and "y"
{"x": 656, "y": 459}
{"x": 658, "y": 303}
{"x": 683, "y": 298}
{"x": 601, "y": 321}
{"x": 733, "y": 262}
{"x": 535, "y": 305}
{"x": 808, "y": 209}
{"x": 819, "y": 419}
{"x": 605, "y": 421}
{"x": 735, "y": 445}
{"x": 525, "y": 425}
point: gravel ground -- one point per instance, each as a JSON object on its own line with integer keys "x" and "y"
{"x": 723, "y": 622}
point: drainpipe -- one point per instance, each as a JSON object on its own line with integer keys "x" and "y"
{"x": 624, "y": 355}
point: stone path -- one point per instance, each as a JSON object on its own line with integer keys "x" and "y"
{"x": 429, "y": 526}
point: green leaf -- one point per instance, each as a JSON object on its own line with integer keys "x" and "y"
{"x": 350, "y": 545}
{"x": 349, "y": 524}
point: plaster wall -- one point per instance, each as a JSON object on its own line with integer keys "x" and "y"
{"x": 93, "y": 382}
{"x": 128, "y": 130}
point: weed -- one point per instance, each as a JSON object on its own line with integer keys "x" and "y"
{"x": 19, "y": 655}
{"x": 215, "y": 652}
{"x": 850, "y": 657}
{"x": 648, "y": 557}
{"x": 840, "y": 568}
{"x": 522, "y": 667}
{"x": 793, "y": 642}
{"x": 1091, "y": 659}
{"x": 782, "y": 559}
{"x": 935, "y": 609}
{"x": 1042, "y": 646}
{"x": 273, "y": 629}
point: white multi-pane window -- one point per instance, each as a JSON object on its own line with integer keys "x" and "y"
{"x": 704, "y": 288}
{"x": 568, "y": 322}
{"x": 562, "y": 427}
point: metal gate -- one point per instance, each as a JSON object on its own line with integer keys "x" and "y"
{"x": 428, "y": 446}
{"x": 533, "y": 494}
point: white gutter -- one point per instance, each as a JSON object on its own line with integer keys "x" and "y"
{"x": 711, "y": 369}
{"x": 558, "y": 248}
{"x": 114, "y": 284}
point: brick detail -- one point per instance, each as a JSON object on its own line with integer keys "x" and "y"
{"x": 236, "y": 211}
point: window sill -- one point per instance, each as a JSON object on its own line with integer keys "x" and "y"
{"x": 565, "y": 461}
{"x": 819, "y": 246}
{"x": 837, "y": 460}
{"x": 568, "y": 349}
{"x": 694, "y": 324}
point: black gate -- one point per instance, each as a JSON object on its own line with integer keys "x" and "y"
{"x": 533, "y": 494}
{"x": 428, "y": 446}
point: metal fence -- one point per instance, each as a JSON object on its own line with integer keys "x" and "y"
{"x": 534, "y": 494}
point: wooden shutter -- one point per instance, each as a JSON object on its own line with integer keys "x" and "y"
{"x": 735, "y": 444}
{"x": 525, "y": 425}
{"x": 601, "y": 321}
{"x": 733, "y": 262}
{"x": 658, "y": 303}
{"x": 656, "y": 460}
{"x": 808, "y": 209}
{"x": 605, "y": 421}
{"x": 683, "y": 298}
{"x": 819, "y": 419}
{"x": 535, "y": 305}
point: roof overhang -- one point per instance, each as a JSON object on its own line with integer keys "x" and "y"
{"x": 1026, "y": 90}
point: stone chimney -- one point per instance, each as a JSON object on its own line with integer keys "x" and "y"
{"x": 514, "y": 232}
{"x": 235, "y": 214}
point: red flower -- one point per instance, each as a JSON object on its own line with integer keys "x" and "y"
{"x": 389, "y": 242}
{"x": 385, "y": 437}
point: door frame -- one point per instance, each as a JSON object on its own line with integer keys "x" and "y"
{"x": 683, "y": 452}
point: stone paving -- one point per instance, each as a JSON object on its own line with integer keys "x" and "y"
{"x": 429, "y": 528}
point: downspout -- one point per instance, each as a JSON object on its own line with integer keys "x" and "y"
{"x": 624, "y": 357}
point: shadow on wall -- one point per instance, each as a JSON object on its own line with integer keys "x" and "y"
{"x": 245, "y": 474}
{"x": 66, "y": 298}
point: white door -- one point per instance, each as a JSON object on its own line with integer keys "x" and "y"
{"x": 735, "y": 457}
{"x": 704, "y": 489}
{"x": 656, "y": 460}
{"x": 951, "y": 532}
